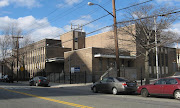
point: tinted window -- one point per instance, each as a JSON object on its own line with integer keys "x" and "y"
{"x": 42, "y": 78}
{"x": 171, "y": 81}
{"x": 161, "y": 81}
{"x": 110, "y": 80}
{"x": 122, "y": 79}
{"x": 104, "y": 80}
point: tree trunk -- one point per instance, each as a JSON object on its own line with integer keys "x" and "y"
{"x": 147, "y": 68}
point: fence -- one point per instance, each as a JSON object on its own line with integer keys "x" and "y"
{"x": 74, "y": 78}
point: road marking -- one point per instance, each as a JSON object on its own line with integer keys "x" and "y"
{"x": 49, "y": 99}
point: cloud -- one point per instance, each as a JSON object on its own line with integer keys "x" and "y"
{"x": 20, "y": 3}
{"x": 68, "y": 3}
{"x": 4, "y": 3}
{"x": 37, "y": 29}
{"x": 176, "y": 28}
{"x": 83, "y": 20}
{"x": 170, "y": 2}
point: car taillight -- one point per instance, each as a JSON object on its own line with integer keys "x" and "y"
{"x": 39, "y": 80}
{"x": 124, "y": 84}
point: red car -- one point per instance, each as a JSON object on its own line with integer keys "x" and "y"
{"x": 169, "y": 86}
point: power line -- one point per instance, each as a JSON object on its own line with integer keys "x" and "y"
{"x": 108, "y": 14}
{"x": 162, "y": 15}
{"x": 57, "y": 18}
{"x": 81, "y": 17}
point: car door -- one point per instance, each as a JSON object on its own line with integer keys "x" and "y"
{"x": 157, "y": 87}
{"x": 109, "y": 84}
{"x": 171, "y": 85}
{"x": 102, "y": 84}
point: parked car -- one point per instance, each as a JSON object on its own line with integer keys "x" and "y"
{"x": 176, "y": 74}
{"x": 169, "y": 86}
{"x": 39, "y": 81}
{"x": 114, "y": 85}
{"x": 8, "y": 78}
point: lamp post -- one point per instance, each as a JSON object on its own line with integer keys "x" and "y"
{"x": 115, "y": 33}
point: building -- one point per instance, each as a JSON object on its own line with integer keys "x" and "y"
{"x": 98, "y": 56}
{"x": 44, "y": 58}
{"x": 78, "y": 58}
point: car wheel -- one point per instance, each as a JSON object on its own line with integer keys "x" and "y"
{"x": 115, "y": 91}
{"x": 94, "y": 89}
{"x": 144, "y": 93}
{"x": 36, "y": 84}
{"x": 177, "y": 94}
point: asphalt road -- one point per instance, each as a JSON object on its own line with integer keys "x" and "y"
{"x": 23, "y": 96}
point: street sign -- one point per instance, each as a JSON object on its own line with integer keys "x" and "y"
{"x": 75, "y": 69}
{"x": 22, "y": 69}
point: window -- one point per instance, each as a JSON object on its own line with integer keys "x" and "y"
{"x": 162, "y": 58}
{"x": 104, "y": 80}
{"x": 100, "y": 64}
{"x": 122, "y": 79}
{"x": 166, "y": 59}
{"x": 110, "y": 80}
{"x": 161, "y": 81}
{"x": 171, "y": 81}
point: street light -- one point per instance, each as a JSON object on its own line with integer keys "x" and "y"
{"x": 115, "y": 33}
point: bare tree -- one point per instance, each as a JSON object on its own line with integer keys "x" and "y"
{"x": 144, "y": 18}
{"x": 8, "y": 44}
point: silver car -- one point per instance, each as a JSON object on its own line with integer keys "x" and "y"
{"x": 115, "y": 85}
{"x": 38, "y": 80}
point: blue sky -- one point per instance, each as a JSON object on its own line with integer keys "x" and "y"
{"x": 49, "y": 18}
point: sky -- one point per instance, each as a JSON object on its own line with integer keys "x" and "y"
{"x": 41, "y": 19}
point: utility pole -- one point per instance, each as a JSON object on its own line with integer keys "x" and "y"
{"x": 116, "y": 39}
{"x": 115, "y": 33}
{"x": 157, "y": 70}
{"x": 17, "y": 49}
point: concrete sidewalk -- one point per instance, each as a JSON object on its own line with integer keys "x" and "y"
{"x": 52, "y": 84}
{"x": 58, "y": 85}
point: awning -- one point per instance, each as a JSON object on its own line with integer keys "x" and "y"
{"x": 55, "y": 59}
{"x": 113, "y": 56}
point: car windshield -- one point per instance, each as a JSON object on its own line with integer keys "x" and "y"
{"x": 122, "y": 79}
{"x": 42, "y": 78}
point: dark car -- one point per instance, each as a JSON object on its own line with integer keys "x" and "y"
{"x": 114, "y": 85}
{"x": 39, "y": 81}
{"x": 169, "y": 86}
{"x": 8, "y": 78}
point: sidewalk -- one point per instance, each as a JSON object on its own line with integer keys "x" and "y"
{"x": 58, "y": 85}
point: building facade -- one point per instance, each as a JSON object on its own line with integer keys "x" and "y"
{"x": 86, "y": 59}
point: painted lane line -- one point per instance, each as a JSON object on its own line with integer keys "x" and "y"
{"x": 49, "y": 99}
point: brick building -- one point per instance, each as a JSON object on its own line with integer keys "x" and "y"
{"x": 85, "y": 59}
{"x": 98, "y": 56}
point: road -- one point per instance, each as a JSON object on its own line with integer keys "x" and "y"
{"x": 15, "y": 95}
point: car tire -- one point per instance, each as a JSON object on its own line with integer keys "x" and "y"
{"x": 177, "y": 94}
{"x": 36, "y": 84}
{"x": 144, "y": 93}
{"x": 114, "y": 91}
{"x": 95, "y": 89}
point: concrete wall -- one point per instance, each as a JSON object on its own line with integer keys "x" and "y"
{"x": 106, "y": 40}
{"x": 56, "y": 51}
{"x": 67, "y": 40}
